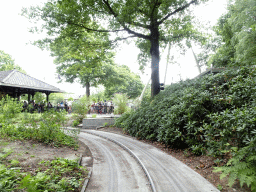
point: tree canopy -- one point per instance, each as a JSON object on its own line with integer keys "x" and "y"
{"x": 127, "y": 83}
{"x": 7, "y": 62}
{"x": 152, "y": 22}
{"x": 237, "y": 31}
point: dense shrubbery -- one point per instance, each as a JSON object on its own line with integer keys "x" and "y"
{"x": 209, "y": 115}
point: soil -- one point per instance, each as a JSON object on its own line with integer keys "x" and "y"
{"x": 30, "y": 153}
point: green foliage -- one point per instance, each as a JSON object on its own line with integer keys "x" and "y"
{"x": 81, "y": 107}
{"x": 7, "y": 63}
{"x": 126, "y": 82}
{"x": 202, "y": 114}
{"x": 48, "y": 130}
{"x": 213, "y": 115}
{"x": 75, "y": 123}
{"x": 241, "y": 166}
{"x": 56, "y": 175}
{"x": 39, "y": 97}
{"x": 9, "y": 108}
{"x": 56, "y": 98}
{"x": 120, "y": 100}
{"x": 8, "y": 179}
{"x": 80, "y": 43}
{"x": 238, "y": 37}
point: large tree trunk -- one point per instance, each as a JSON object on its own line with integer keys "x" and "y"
{"x": 154, "y": 51}
{"x": 87, "y": 85}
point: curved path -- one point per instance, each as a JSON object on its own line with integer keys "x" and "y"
{"x": 114, "y": 169}
{"x": 168, "y": 174}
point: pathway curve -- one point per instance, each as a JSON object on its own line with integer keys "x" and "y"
{"x": 114, "y": 169}
{"x": 168, "y": 174}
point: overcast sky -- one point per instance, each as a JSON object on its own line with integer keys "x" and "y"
{"x": 15, "y": 38}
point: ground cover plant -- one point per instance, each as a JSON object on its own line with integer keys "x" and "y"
{"x": 51, "y": 175}
{"x": 55, "y": 175}
{"x": 208, "y": 115}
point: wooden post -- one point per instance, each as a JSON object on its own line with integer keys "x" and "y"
{"x": 47, "y": 96}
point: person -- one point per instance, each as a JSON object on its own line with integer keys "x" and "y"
{"x": 111, "y": 107}
{"x": 108, "y": 107}
{"x": 92, "y": 107}
{"x": 66, "y": 106}
{"x": 49, "y": 105}
{"x": 25, "y": 105}
{"x": 100, "y": 108}
{"x": 39, "y": 108}
{"x": 69, "y": 109}
{"x": 105, "y": 107}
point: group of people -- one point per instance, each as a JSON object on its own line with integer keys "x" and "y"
{"x": 40, "y": 107}
{"x": 32, "y": 106}
{"x": 64, "y": 105}
{"x": 101, "y": 107}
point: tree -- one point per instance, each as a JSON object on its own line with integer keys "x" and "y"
{"x": 91, "y": 65}
{"x": 90, "y": 71}
{"x": 56, "y": 98}
{"x": 7, "y": 63}
{"x": 129, "y": 83}
{"x": 151, "y": 21}
{"x": 238, "y": 37}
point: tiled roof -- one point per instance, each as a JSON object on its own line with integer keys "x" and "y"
{"x": 4, "y": 74}
{"x": 16, "y": 78}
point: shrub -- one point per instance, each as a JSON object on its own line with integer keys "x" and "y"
{"x": 120, "y": 100}
{"x": 81, "y": 106}
{"x": 48, "y": 130}
{"x": 202, "y": 114}
{"x": 9, "y": 108}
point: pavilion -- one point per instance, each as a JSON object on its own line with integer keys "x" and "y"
{"x": 15, "y": 83}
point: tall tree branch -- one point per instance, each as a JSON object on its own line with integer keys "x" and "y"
{"x": 112, "y": 12}
{"x": 124, "y": 38}
{"x": 176, "y": 11}
{"x": 156, "y": 4}
{"x": 96, "y": 30}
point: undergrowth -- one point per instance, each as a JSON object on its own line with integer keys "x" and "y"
{"x": 61, "y": 175}
{"x": 46, "y": 129}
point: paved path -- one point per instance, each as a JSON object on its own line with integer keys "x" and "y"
{"x": 114, "y": 169}
{"x": 168, "y": 174}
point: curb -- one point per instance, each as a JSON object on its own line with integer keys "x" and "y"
{"x": 86, "y": 181}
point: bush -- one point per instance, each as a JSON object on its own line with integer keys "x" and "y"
{"x": 9, "y": 108}
{"x": 48, "y": 130}
{"x": 81, "y": 106}
{"x": 120, "y": 100}
{"x": 202, "y": 114}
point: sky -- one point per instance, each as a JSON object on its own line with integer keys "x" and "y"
{"x": 15, "y": 38}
